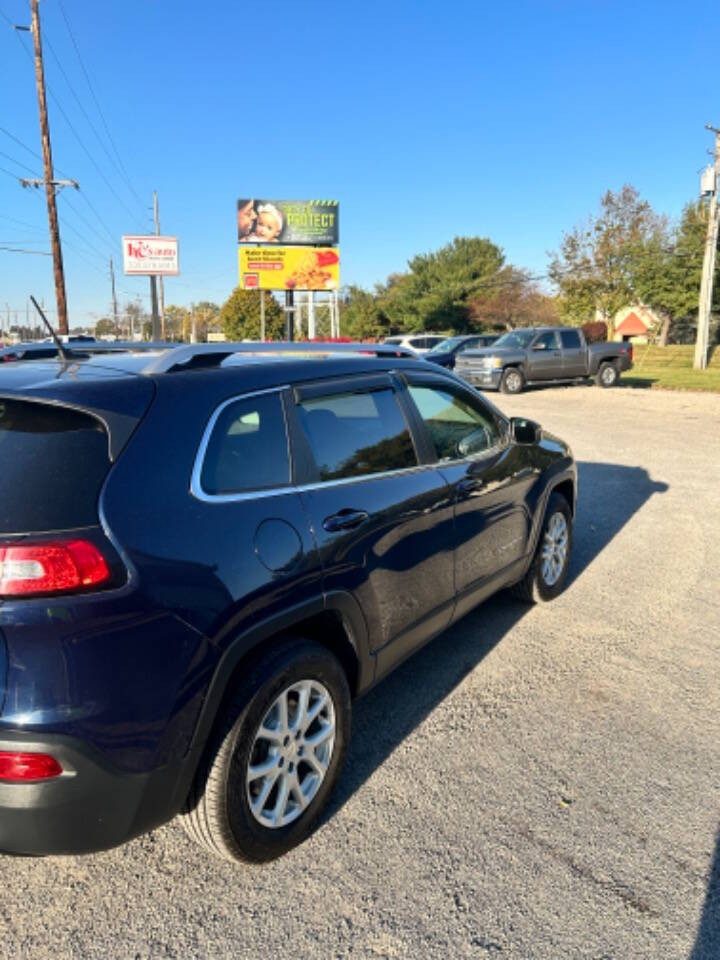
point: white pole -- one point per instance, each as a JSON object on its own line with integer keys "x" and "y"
{"x": 311, "y": 315}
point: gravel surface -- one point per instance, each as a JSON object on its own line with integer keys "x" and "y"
{"x": 536, "y": 783}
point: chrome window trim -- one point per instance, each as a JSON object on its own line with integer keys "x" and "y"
{"x": 260, "y": 492}
{"x": 196, "y": 488}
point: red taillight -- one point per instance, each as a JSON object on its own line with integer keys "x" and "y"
{"x": 631, "y": 352}
{"x": 28, "y": 766}
{"x": 51, "y": 568}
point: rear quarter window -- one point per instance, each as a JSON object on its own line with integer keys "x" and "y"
{"x": 53, "y": 461}
{"x": 248, "y": 447}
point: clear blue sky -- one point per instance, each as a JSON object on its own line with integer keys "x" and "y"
{"x": 426, "y": 120}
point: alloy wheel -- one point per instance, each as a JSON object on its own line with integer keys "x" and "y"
{"x": 290, "y": 754}
{"x": 554, "y": 549}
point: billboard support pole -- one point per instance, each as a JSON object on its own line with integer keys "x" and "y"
{"x": 289, "y": 315}
{"x": 311, "y": 315}
{"x": 262, "y": 315}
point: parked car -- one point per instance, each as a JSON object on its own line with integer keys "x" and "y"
{"x": 446, "y": 352}
{"x": 420, "y": 343}
{"x": 201, "y": 555}
{"x": 543, "y": 355}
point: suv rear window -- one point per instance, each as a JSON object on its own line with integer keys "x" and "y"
{"x": 53, "y": 463}
{"x": 355, "y": 434}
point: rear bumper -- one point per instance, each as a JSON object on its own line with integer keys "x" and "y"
{"x": 88, "y": 807}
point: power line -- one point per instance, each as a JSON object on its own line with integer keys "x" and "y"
{"x": 22, "y": 223}
{"x": 87, "y": 223}
{"x": 38, "y": 253}
{"x": 13, "y": 160}
{"x": 79, "y": 138}
{"x": 87, "y": 116}
{"x": 83, "y": 194}
{"x": 29, "y": 150}
{"x": 97, "y": 104}
{"x": 10, "y": 173}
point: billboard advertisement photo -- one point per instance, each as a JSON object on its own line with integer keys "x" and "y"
{"x": 289, "y": 268}
{"x": 288, "y": 222}
{"x": 148, "y": 256}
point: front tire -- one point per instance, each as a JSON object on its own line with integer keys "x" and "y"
{"x": 607, "y": 375}
{"x": 276, "y": 754}
{"x": 546, "y": 576}
{"x": 512, "y": 381}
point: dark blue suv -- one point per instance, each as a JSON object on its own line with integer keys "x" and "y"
{"x": 206, "y": 553}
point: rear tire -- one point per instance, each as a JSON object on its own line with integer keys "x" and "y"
{"x": 512, "y": 381}
{"x": 546, "y": 575}
{"x": 607, "y": 375}
{"x": 258, "y": 791}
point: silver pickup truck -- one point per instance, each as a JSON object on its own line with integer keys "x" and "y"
{"x": 543, "y": 355}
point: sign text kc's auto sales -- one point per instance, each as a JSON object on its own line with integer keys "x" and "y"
{"x": 150, "y": 255}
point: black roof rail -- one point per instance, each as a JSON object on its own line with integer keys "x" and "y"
{"x": 193, "y": 355}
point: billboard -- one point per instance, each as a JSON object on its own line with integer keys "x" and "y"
{"x": 289, "y": 268}
{"x": 145, "y": 256}
{"x": 286, "y": 222}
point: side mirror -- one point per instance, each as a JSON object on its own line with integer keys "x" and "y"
{"x": 525, "y": 431}
{"x": 540, "y": 346}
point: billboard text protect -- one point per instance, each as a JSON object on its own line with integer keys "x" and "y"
{"x": 288, "y": 222}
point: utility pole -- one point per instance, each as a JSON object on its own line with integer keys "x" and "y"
{"x": 48, "y": 171}
{"x": 702, "y": 341}
{"x": 114, "y": 296}
{"x": 157, "y": 283}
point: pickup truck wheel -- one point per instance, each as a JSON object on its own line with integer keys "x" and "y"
{"x": 607, "y": 375}
{"x": 512, "y": 381}
{"x": 546, "y": 576}
{"x": 275, "y": 756}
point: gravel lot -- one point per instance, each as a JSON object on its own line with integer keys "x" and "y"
{"x": 536, "y": 783}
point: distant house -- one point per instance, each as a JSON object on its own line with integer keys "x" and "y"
{"x": 636, "y": 324}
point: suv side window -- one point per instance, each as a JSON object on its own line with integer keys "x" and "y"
{"x": 570, "y": 339}
{"x": 458, "y": 427}
{"x": 248, "y": 447}
{"x": 549, "y": 339}
{"x": 356, "y": 434}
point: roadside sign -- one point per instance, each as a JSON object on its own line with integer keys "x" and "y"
{"x": 149, "y": 255}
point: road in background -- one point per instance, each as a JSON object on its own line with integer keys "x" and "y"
{"x": 536, "y": 783}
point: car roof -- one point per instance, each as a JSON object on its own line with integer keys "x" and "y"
{"x": 297, "y": 361}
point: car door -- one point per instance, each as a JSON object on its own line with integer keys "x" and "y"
{"x": 383, "y": 521}
{"x": 573, "y": 355}
{"x": 487, "y": 478}
{"x": 544, "y": 357}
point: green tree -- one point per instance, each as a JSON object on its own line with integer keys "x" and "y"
{"x": 240, "y": 316}
{"x": 436, "y": 293}
{"x": 599, "y": 265}
{"x": 207, "y": 319}
{"x": 362, "y": 315}
{"x": 177, "y": 323}
{"x": 106, "y": 327}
